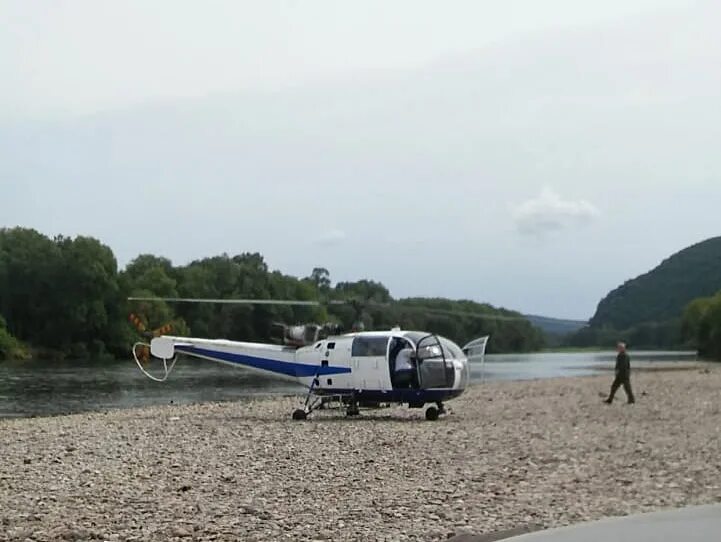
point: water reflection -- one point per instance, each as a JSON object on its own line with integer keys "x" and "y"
{"x": 562, "y": 364}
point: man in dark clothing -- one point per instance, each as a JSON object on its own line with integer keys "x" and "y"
{"x": 623, "y": 375}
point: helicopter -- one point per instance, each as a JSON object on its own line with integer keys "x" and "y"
{"x": 356, "y": 369}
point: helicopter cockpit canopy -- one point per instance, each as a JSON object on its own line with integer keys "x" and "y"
{"x": 437, "y": 359}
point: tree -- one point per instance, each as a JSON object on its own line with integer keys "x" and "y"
{"x": 29, "y": 263}
{"x": 10, "y": 347}
{"x": 60, "y": 293}
{"x": 321, "y": 278}
{"x": 362, "y": 290}
{"x": 152, "y": 276}
{"x": 701, "y": 325}
{"x": 88, "y": 297}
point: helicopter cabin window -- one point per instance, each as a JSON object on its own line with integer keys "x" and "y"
{"x": 369, "y": 346}
{"x": 331, "y": 346}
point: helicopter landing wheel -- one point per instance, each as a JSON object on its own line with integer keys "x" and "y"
{"x": 299, "y": 414}
{"x": 432, "y": 414}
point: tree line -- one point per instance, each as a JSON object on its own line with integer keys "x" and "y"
{"x": 66, "y": 297}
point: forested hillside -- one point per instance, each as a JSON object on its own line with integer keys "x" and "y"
{"x": 67, "y": 298}
{"x": 661, "y": 294}
{"x": 647, "y": 311}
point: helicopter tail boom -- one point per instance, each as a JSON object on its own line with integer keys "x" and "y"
{"x": 270, "y": 359}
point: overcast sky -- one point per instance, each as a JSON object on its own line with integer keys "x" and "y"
{"x": 530, "y": 154}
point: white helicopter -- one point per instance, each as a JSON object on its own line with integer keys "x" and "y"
{"x": 356, "y": 369}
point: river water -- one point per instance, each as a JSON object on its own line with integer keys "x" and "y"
{"x": 42, "y": 388}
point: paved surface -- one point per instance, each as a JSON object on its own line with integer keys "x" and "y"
{"x": 696, "y": 524}
{"x": 493, "y": 537}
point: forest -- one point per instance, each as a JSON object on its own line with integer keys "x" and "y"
{"x": 66, "y": 297}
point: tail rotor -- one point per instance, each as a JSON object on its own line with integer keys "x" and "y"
{"x": 142, "y": 351}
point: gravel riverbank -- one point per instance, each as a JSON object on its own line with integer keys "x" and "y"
{"x": 542, "y": 453}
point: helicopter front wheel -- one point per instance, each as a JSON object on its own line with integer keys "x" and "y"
{"x": 299, "y": 414}
{"x": 432, "y": 413}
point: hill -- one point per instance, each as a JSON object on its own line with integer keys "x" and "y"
{"x": 647, "y": 310}
{"x": 662, "y": 294}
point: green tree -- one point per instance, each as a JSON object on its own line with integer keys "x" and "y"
{"x": 152, "y": 276}
{"x": 10, "y": 347}
{"x": 701, "y": 325}
{"x": 62, "y": 293}
{"x": 320, "y": 277}
{"x": 29, "y": 265}
{"x": 88, "y": 297}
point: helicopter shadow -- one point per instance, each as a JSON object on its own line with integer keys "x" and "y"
{"x": 326, "y": 418}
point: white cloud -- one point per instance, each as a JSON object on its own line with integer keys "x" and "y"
{"x": 550, "y": 212}
{"x": 330, "y": 238}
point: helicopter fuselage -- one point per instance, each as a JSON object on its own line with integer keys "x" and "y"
{"x": 357, "y": 365}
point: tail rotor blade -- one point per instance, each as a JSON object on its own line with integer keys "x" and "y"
{"x": 162, "y": 330}
{"x": 137, "y": 323}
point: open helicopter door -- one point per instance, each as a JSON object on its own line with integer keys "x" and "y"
{"x": 475, "y": 351}
{"x": 434, "y": 369}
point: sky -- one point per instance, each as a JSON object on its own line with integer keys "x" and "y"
{"x": 534, "y": 155}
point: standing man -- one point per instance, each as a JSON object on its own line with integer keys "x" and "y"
{"x": 623, "y": 375}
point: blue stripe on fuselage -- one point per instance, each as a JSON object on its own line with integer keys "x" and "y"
{"x": 288, "y": 368}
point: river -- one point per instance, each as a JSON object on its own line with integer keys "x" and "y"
{"x": 43, "y": 388}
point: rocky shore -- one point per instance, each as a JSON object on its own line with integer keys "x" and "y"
{"x": 511, "y": 454}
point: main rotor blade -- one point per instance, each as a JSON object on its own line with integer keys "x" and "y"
{"x": 228, "y": 301}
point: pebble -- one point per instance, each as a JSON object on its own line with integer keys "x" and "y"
{"x": 544, "y": 453}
